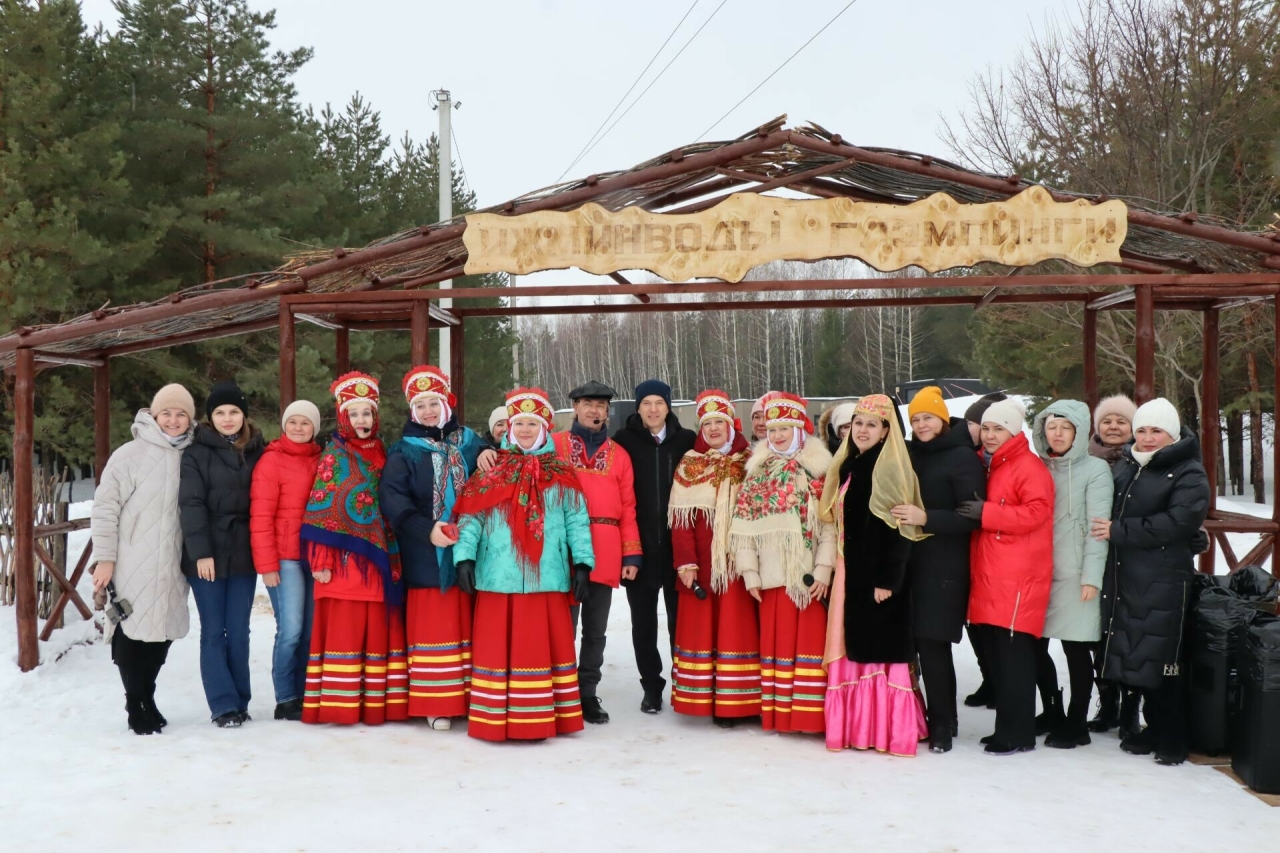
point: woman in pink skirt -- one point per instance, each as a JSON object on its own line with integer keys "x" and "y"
{"x": 872, "y": 701}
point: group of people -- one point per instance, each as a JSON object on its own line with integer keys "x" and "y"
{"x": 813, "y": 579}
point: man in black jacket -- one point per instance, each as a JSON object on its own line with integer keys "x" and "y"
{"x": 656, "y": 442}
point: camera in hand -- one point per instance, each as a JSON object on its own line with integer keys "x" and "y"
{"x": 117, "y": 609}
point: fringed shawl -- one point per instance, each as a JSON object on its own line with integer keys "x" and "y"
{"x": 706, "y": 485}
{"x": 777, "y": 508}
{"x": 343, "y": 515}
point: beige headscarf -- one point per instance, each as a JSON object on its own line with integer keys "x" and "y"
{"x": 893, "y": 482}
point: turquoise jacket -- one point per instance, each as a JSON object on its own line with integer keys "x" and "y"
{"x": 1082, "y": 491}
{"x": 486, "y": 539}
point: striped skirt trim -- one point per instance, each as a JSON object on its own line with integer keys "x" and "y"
{"x": 358, "y": 668}
{"x": 717, "y": 657}
{"x": 438, "y": 625}
{"x": 524, "y": 681}
{"x": 793, "y": 683}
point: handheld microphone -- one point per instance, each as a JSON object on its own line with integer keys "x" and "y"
{"x": 699, "y": 591}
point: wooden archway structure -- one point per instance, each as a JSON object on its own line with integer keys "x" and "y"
{"x": 1169, "y": 262}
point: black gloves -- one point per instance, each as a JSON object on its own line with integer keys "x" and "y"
{"x": 467, "y": 576}
{"x": 971, "y": 510}
{"x": 1199, "y": 541}
{"x": 580, "y": 585}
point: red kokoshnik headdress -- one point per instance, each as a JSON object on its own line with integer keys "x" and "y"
{"x": 358, "y": 387}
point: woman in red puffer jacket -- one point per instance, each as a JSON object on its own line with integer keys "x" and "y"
{"x": 282, "y": 483}
{"x": 1011, "y": 568}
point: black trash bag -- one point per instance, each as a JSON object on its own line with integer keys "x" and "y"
{"x": 1254, "y": 582}
{"x": 1220, "y": 618}
{"x": 1262, "y": 654}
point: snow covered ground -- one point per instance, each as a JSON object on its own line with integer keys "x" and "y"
{"x": 73, "y": 777}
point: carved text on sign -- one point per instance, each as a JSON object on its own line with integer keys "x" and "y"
{"x": 748, "y": 229}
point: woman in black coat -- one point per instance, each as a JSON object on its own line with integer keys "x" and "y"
{"x": 1161, "y": 499}
{"x": 950, "y": 472}
{"x": 213, "y": 503}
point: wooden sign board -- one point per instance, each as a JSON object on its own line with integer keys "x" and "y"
{"x": 749, "y": 229}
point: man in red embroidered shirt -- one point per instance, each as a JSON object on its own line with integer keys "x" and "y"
{"x": 605, "y": 471}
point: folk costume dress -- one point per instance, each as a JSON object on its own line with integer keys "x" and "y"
{"x": 524, "y": 524}
{"x": 425, "y": 471}
{"x": 778, "y": 537}
{"x": 717, "y": 650}
{"x": 872, "y": 700}
{"x": 357, "y": 670}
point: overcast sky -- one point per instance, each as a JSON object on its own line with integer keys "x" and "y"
{"x": 537, "y": 77}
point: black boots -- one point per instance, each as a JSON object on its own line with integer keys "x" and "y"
{"x": 1130, "y": 703}
{"x": 985, "y": 695}
{"x": 140, "y": 720}
{"x": 1053, "y": 717}
{"x": 652, "y": 702}
{"x": 291, "y": 710}
{"x": 593, "y": 711}
{"x": 1070, "y": 734}
{"x": 1108, "y": 716}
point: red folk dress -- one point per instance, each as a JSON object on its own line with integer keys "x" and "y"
{"x": 717, "y": 645}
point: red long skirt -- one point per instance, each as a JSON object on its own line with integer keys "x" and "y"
{"x": 357, "y": 671}
{"x": 717, "y": 655}
{"x": 438, "y": 625}
{"x": 793, "y": 683}
{"x": 524, "y": 684}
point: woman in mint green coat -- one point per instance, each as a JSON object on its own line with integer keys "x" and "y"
{"x": 1082, "y": 491}
{"x": 524, "y": 543}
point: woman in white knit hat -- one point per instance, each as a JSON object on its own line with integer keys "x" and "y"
{"x": 1161, "y": 499}
{"x": 282, "y": 482}
{"x": 497, "y": 427}
{"x": 137, "y": 545}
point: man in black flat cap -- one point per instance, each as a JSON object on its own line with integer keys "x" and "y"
{"x": 604, "y": 470}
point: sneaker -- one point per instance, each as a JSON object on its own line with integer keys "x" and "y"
{"x": 593, "y": 711}
{"x": 229, "y": 720}
{"x": 995, "y": 747}
{"x": 291, "y": 710}
{"x": 440, "y": 724}
{"x": 652, "y": 702}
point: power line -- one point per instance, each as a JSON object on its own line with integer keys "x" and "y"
{"x": 634, "y": 83}
{"x": 651, "y": 82}
{"x": 776, "y": 70}
{"x": 462, "y": 167}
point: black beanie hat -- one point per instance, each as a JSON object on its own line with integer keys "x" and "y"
{"x": 225, "y": 393}
{"x": 974, "y": 413}
{"x": 653, "y": 388}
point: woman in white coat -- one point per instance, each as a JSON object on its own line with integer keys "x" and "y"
{"x": 1082, "y": 491}
{"x": 137, "y": 545}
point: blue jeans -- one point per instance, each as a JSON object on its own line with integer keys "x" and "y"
{"x": 293, "y": 605}
{"x": 224, "y": 605}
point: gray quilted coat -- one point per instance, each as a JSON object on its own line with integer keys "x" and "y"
{"x": 1082, "y": 491}
{"x": 135, "y": 524}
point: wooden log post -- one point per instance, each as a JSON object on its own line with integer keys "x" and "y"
{"x": 1275, "y": 457}
{"x": 1090, "y": 358}
{"x": 419, "y": 332}
{"x": 457, "y": 372}
{"x": 1144, "y": 380}
{"x": 288, "y": 358}
{"x": 1210, "y": 439}
{"x": 101, "y": 418}
{"x": 24, "y": 509}
{"x": 342, "y": 350}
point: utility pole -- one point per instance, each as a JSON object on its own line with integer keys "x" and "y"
{"x": 444, "y": 106}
